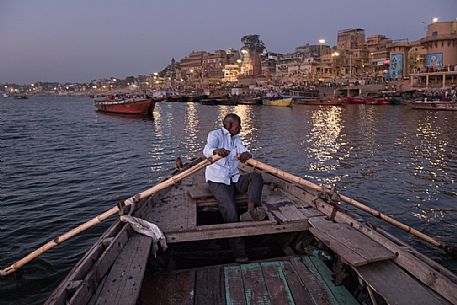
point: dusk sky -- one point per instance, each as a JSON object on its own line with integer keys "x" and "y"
{"x": 78, "y": 41}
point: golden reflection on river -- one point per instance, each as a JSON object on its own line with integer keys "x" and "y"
{"x": 326, "y": 127}
{"x": 191, "y": 127}
{"x": 429, "y": 152}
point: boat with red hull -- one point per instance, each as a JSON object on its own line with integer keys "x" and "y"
{"x": 139, "y": 105}
{"x": 378, "y": 101}
{"x": 355, "y": 100}
{"x": 435, "y": 105}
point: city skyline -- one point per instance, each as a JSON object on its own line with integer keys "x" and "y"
{"x": 78, "y": 42}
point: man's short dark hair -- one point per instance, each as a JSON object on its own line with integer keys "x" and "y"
{"x": 230, "y": 118}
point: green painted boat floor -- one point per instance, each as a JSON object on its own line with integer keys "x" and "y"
{"x": 288, "y": 280}
{"x": 254, "y": 278}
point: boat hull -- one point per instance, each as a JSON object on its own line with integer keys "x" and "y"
{"x": 139, "y": 106}
{"x": 355, "y": 100}
{"x": 250, "y": 101}
{"x": 283, "y": 102}
{"x": 336, "y": 102}
{"x": 448, "y": 106}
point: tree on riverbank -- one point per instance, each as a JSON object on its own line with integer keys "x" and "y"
{"x": 253, "y": 43}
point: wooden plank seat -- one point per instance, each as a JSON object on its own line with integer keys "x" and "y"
{"x": 354, "y": 247}
{"x": 390, "y": 281}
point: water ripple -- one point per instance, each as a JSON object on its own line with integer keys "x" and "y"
{"x": 62, "y": 163}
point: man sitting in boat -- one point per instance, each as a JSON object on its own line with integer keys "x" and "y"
{"x": 224, "y": 179}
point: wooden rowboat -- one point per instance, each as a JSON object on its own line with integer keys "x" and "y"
{"x": 310, "y": 250}
{"x": 282, "y": 102}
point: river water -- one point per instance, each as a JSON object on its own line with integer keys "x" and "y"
{"x": 63, "y": 163}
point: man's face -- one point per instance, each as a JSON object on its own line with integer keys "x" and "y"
{"x": 234, "y": 127}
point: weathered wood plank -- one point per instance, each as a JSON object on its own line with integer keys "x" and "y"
{"x": 59, "y": 296}
{"x": 125, "y": 278}
{"x": 339, "y": 293}
{"x": 156, "y": 289}
{"x": 209, "y": 287}
{"x": 299, "y": 292}
{"x": 275, "y": 280}
{"x": 234, "y": 288}
{"x": 199, "y": 191}
{"x": 168, "y": 289}
{"x": 183, "y": 289}
{"x": 391, "y": 282}
{"x": 191, "y": 216}
{"x": 292, "y": 213}
{"x": 87, "y": 288}
{"x": 347, "y": 254}
{"x": 319, "y": 294}
{"x": 424, "y": 269}
{"x": 340, "y": 236}
{"x": 228, "y": 230}
{"x": 173, "y": 215}
{"x": 97, "y": 292}
{"x": 255, "y": 289}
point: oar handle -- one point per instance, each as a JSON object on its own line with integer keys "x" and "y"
{"x": 449, "y": 249}
{"x": 98, "y": 219}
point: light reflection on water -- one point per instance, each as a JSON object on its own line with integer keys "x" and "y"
{"x": 78, "y": 163}
{"x": 323, "y": 141}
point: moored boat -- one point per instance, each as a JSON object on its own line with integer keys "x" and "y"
{"x": 5, "y": 95}
{"x": 355, "y": 100}
{"x": 229, "y": 101}
{"x": 21, "y": 97}
{"x": 378, "y": 101}
{"x": 279, "y": 102}
{"x": 125, "y": 104}
{"x": 323, "y": 102}
{"x": 250, "y": 100}
{"x": 309, "y": 248}
{"x": 434, "y": 105}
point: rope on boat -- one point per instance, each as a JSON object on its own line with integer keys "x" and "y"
{"x": 331, "y": 196}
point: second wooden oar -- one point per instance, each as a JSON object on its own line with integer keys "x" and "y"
{"x": 449, "y": 249}
{"x": 98, "y": 219}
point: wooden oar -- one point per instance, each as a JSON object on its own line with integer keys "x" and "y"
{"x": 98, "y": 219}
{"x": 449, "y": 249}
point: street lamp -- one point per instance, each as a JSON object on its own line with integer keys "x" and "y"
{"x": 435, "y": 19}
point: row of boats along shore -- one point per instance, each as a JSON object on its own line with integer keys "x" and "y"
{"x": 144, "y": 104}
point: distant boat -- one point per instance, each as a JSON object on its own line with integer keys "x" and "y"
{"x": 5, "y": 95}
{"x": 324, "y": 102}
{"x": 355, "y": 100}
{"x": 141, "y": 105}
{"x": 229, "y": 101}
{"x": 21, "y": 97}
{"x": 250, "y": 101}
{"x": 281, "y": 102}
{"x": 434, "y": 105}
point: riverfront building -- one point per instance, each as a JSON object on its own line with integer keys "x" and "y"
{"x": 440, "y": 66}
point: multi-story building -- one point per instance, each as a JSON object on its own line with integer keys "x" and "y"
{"x": 350, "y": 39}
{"x": 440, "y": 66}
{"x": 378, "y": 56}
{"x": 191, "y": 68}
